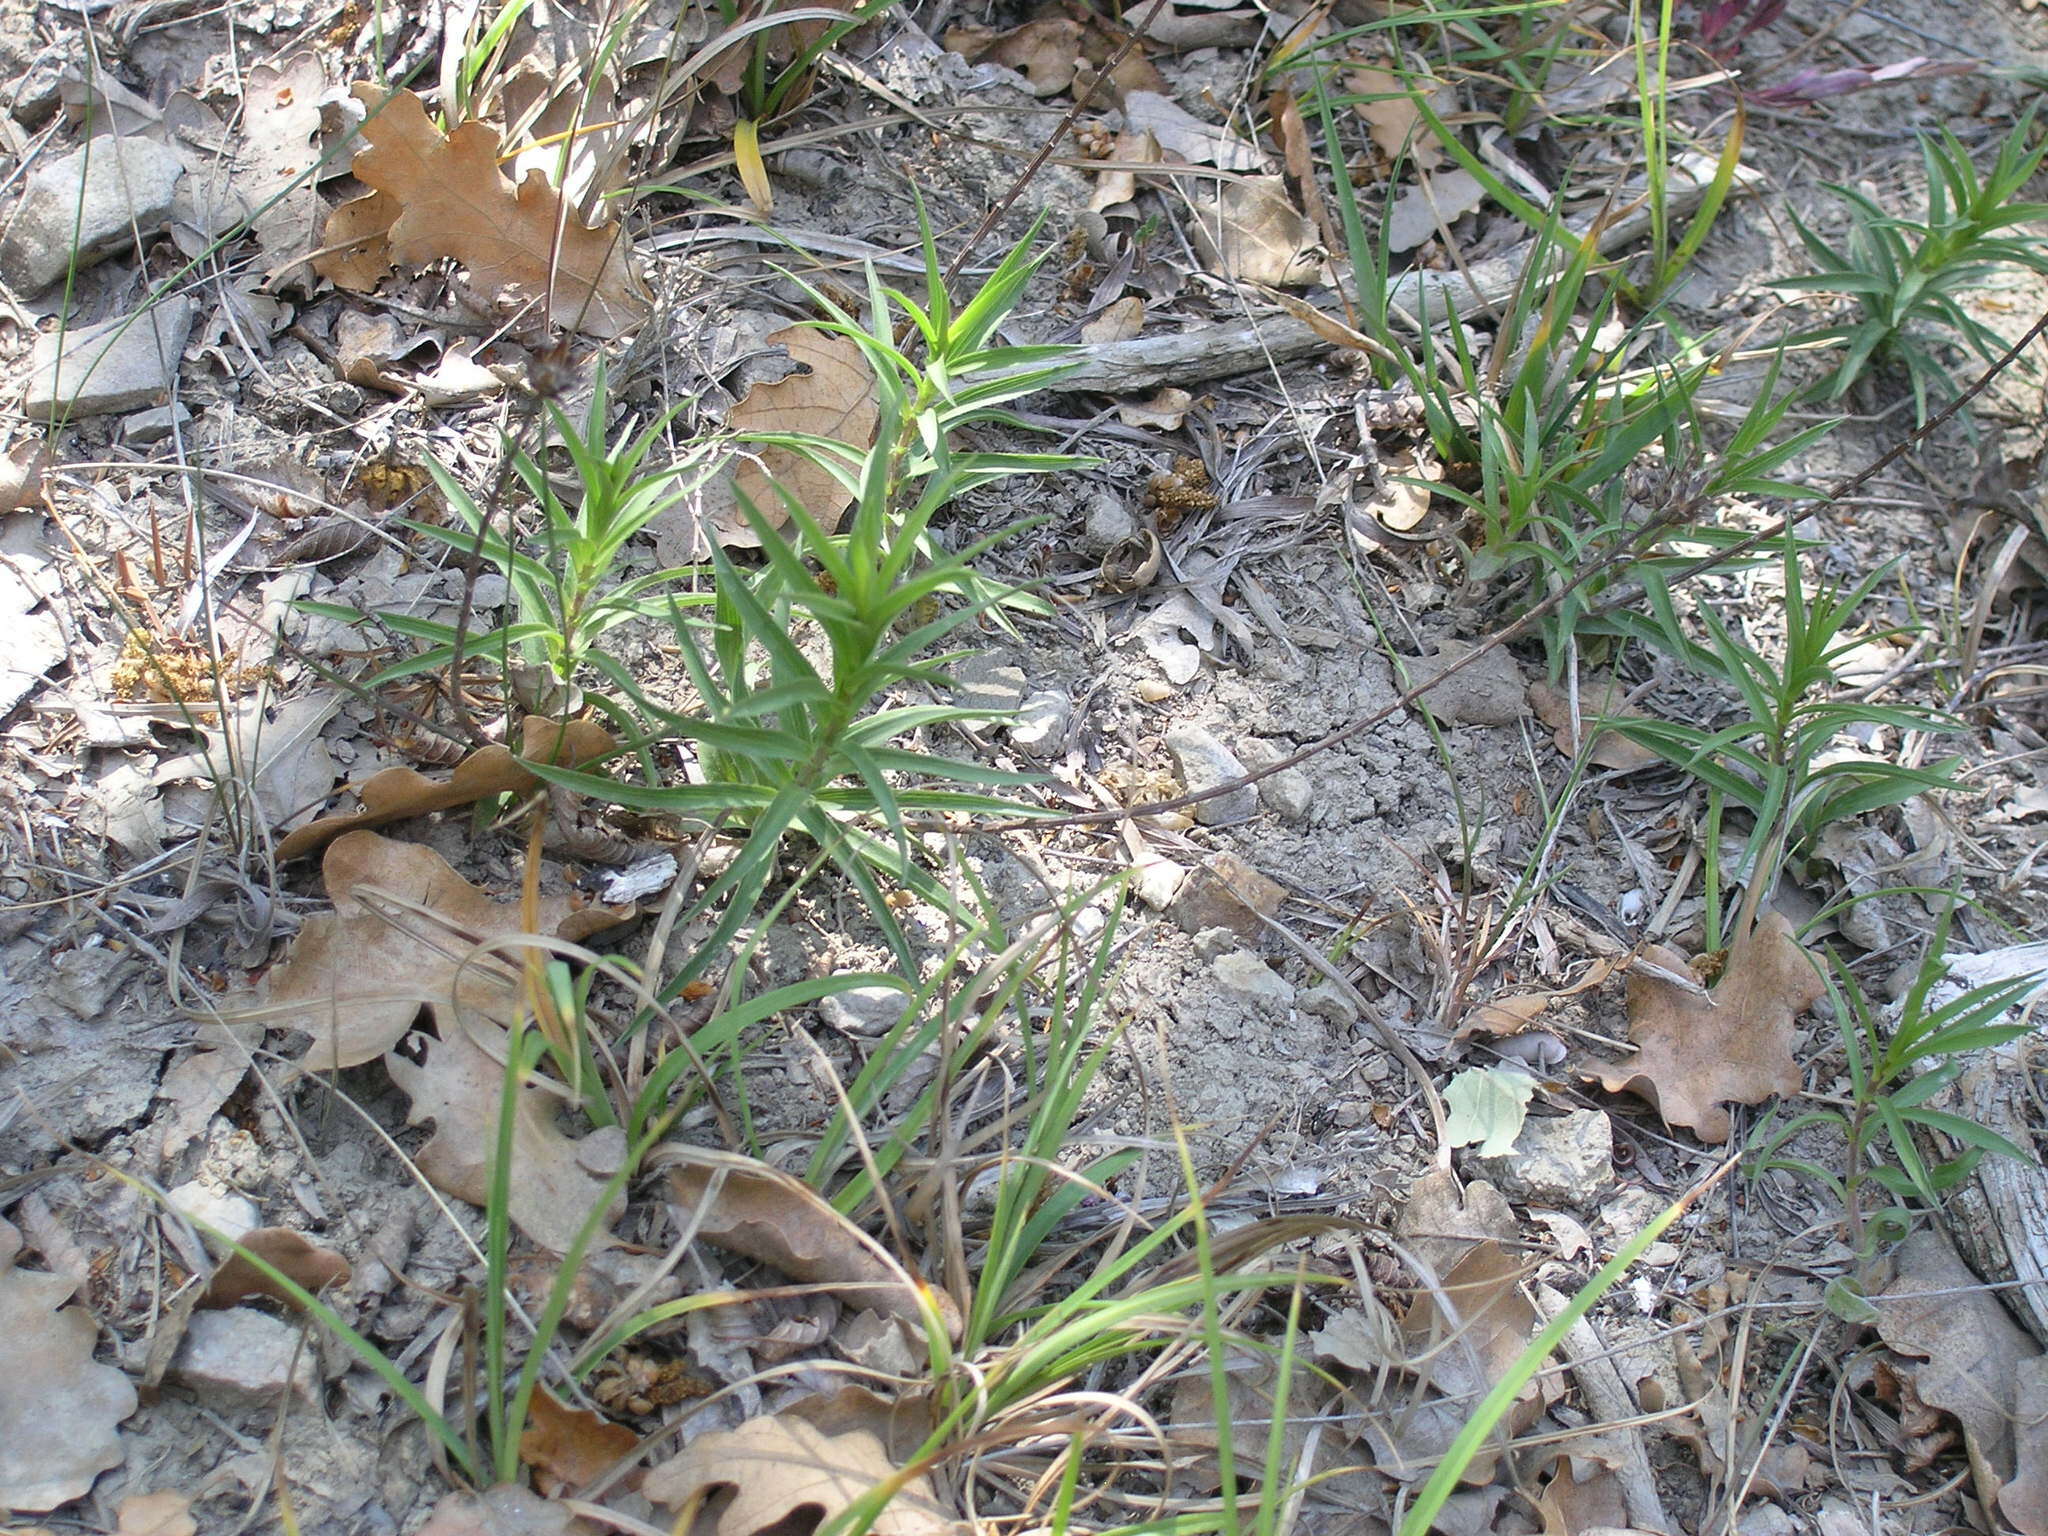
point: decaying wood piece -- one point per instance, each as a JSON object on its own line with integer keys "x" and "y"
{"x": 1218, "y": 351}
{"x": 1614, "y": 1409}
{"x": 1999, "y": 1218}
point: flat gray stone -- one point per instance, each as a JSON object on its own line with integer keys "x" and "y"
{"x": 1041, "y": 723}
{"x": 1288, "y": 794}
{"x": 35, "y": 643}
{"x": 1204, "y": 763}
{"x": 1244, "y": 975}
{"x": 157, "y": 423}
{"x": 989, "y": 683}
{"x": 99, "y": 196}
{"x": 1226, "y": 892}
{"x": 1563, "y": 1159}
{"x": 864, "y": 1011}
{"x": 1489, "y": 692}
{"x": 242, "y": 1360}
{"x": 118, "y": 365}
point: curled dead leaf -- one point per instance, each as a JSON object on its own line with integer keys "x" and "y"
{"x": 760, "y": 1211}
{"x": 59, "y": 1414}
{"x": 1512, "y": 1015}
{"x": 1697, "y": 1050}
{"x": 1166, "y": 411}
{"x": 302, "y": 1261}
{"x": 782, "y": 1473}
{"x": 397, "y": 794}
{"x": 358, "y": 976}
{"x": 436, "y": 197}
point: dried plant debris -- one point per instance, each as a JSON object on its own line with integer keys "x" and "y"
{"x": 458, "y": 1083}
{"x": 442, "y": 197}
{"x": 832, "y": 395}
{"x": 407, "y": 932}
{"x": 60, "y": 1409}
{"x": 782, "y": 1473}
{"x": 765, "y": 1214}
{"x": 397, "y": 794}
{"x": 1698, "y": 1050}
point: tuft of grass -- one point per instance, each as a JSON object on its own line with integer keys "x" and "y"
{"x": 1894, "y": 1070}
{"x": 1907, "y": 276}
{"x": 568, "y": 593}
{"x": 1780, "y": 759}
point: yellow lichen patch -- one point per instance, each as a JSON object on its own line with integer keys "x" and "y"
{"x": 169, "y": 671}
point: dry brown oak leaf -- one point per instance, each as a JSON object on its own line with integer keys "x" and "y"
{"x": 833, "y": 396}
{"x": 1979, "y": 1365}
{"x": 556, "y": 1182}
{"x": 441, "y": 197}
{"x": 781, "y": 1473}
{"x": 300, "y": 1260}
{"x": 569, "y": 1447}
{"x": 760, "y": 1212}
{"x": 403, "y": 935}
{"x": 396, "y": 794}
{"x": 58, "y": 1408}
{"x": 1697, "y": 1051}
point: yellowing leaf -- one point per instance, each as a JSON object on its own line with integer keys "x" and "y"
{"x": 782, "y": 1473}
{"x": 446, "y": 199}
{"x": 746, "y": 156}
{"x": 1487, "y": 1105}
